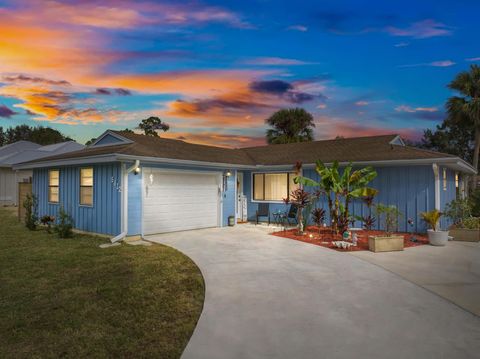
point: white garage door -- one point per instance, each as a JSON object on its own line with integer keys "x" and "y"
{"x": 178, "y": 201}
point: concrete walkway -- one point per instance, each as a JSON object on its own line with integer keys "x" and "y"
{"x": 270, "y": 297}
{"x": 452, "y": 272}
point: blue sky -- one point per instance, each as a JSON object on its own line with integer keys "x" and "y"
{"x": 215, "y": 70}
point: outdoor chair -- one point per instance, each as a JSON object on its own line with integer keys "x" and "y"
{"x": 263, "y": 211}
{"x": 292, "y": 214}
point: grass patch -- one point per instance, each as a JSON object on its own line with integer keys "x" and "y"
{"x": 69, "y": 298}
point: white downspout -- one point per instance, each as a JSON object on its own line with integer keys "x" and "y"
{"x": 436, "y": 172}
{"x": 124, "y": 205}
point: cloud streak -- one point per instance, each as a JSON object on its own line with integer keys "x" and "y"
{"x": 421, "y": 30}
{"x": 441, "y": 63}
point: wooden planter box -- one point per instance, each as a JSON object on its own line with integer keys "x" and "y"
{"x": 467, "y": 235}
{"x": 385, "y": 243}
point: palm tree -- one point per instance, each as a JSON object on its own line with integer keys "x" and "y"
{"x": 290, "y": 125}
{"x": 467, "y": 83}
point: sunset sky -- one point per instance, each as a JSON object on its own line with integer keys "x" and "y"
{"x": 215, "y": 70}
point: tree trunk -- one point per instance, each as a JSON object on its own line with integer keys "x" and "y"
{"x": 476, "y": 151}
{"x": 300, "y": 220}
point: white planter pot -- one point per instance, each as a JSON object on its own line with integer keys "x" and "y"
{"x": 437, "y": 238}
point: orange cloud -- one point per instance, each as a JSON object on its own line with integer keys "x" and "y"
{"x": 55, "y": 105}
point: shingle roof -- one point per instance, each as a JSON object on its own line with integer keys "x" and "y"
{"x": 25, "y": 151}
{"x": 361, "y": 149}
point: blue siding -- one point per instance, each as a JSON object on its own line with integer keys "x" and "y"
{"x": 448, "y": 195}
{"x": 108, "y": 140}
{"x": 135, "y": 203}
{"x": 410, "y": 188}
{"x": 229, "y": 198}
{"x": 103, "y": 217}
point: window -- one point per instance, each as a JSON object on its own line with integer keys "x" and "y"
{"x": 86, "y": 186}
{"x": 273, "y": 186}
{"x": 444, "y": 179}
{"x": 53, "y": 185}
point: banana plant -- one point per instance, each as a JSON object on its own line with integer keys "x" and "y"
{"x": 341, "y": 189}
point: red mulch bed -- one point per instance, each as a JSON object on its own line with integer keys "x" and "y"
{"x": 325, "y": 238}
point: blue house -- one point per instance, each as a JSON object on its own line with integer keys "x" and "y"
{"x": 126, "y": 184}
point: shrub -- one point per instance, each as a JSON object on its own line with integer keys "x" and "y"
{"x": 458, "y": 209}
{"x": 47, "y": 221}
{"x": 318, "y": 216}
{"x": 471, "y": 223}
{"x": 30, "y": 204}
{"x": 64, "y": 225}
{"x": 368, "y": 222}
{"x": 390, "y": 216}
{"x": 432, "y": 218}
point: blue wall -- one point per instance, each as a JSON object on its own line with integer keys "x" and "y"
{"x": 410, "y": 188}
{"x": 103, "y": 217}
{"x": 448, "y": 195}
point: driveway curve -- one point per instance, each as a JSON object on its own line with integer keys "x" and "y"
{"x": 270, "y": 297}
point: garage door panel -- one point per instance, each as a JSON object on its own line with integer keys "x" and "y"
{"x": 177, "y": 201}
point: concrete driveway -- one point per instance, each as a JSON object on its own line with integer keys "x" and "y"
{"x": 452, "y": 272}
{"x": 270, "y": 297}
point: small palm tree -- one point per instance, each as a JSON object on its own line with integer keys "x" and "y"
{"x": 467, "y": 105}
{"x": 289, "y": 126}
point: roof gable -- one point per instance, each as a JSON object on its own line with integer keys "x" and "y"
{"x": 110, "y": 138}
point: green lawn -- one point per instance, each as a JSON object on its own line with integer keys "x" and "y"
{"x": 69, "y": 298}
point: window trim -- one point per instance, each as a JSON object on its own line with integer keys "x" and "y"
{"x": 80, "y": 187}
{"x": 252, "y": 186}
{"x": 49, "y": 186}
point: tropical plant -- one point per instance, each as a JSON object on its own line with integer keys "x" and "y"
{"x": 390, "y": 215}
{"x": 301, "y": 199}
{"x": 64, "y": 225}
{"x": 368, "y": 222}
{"x": 289, "y": 126}
{"x": 341, "y": 189}
{"x": 318, "y": 217}
{"x": 458, "y": 209}
{"x": 151, "y": 125}
{"x": 467, "y": 105}
{"x": 47, "y": 221}
{"x": 30, "y": 204}
{"x": 432, "y": 218}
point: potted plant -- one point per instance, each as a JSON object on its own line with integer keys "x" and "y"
{"x": 388, "y": 242}
{"x": 464, "y": 227}
{"x": 435, "y": 237}
{"x": 468, "y": 230}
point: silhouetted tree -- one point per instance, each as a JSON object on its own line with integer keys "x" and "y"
{"x": 151, "y": 125}
{"x": 41, "y": 135}
{"x": 290, "y": 125}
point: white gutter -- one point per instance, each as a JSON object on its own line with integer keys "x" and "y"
{"x": 124, "y": 206}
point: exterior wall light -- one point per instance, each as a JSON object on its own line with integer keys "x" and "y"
{"x": 136, "y": 171}
{"x": 228, "y": 173}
